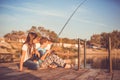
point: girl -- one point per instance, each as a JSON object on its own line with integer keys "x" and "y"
{"x": 48, "y": 57}
{"x": 27, "y": 51}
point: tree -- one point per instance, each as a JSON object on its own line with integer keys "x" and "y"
{"x": 14, "y": 35}
{"x": 33, "y": 29}
{"x": 53, "y": 35}
{"x": 47, "y": 33}
{"x": 7, "y": 36}
{"x": 96, "y": 38}
{"x": 102, "y": 39}
{"x": 115, "y": 38}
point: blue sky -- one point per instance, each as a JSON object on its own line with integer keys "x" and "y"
{"x": 93, "y": 17}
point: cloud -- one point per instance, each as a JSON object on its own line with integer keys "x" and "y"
{"x": 8, "y": 17}
{"x": 35, "y": 10}
{"x": 92, "y": 22}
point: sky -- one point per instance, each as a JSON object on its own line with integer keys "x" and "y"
{"x": 93, "y": 17}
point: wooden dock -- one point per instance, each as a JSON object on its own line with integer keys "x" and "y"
{"x": 9, "y": 71}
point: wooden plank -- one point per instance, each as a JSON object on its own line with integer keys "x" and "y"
{"x": 110, "y": 56}
{"x": 89, "y": 75}
{"x": 72, "y": 75}
{"x": 104, "y": 75}
{"x": 78, "y": 53}
{"x": 11, "y": 73}
{"x": 116, "y": 75}
{"x": 59, "y": 74}
{"x": 49, "y": 72}
{"x": 84, "y": 53}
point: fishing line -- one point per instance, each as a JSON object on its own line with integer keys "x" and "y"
{"x": 71, "y": 17}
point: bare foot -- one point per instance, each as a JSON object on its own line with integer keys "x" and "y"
{"x": 67, "y": 66}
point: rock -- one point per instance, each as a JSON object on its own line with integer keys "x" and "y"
{"x": 5, "y": 45}
{"x": 16, "y": 45}
{"x": 2, "y": 50}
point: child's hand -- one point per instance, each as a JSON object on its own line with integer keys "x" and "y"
{"x": 37, "y": 53}
{"x": 21, "y": 69}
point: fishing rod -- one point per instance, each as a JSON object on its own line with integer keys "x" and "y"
{"x": 69, "y": 20}
{"x": 71, "y": 17}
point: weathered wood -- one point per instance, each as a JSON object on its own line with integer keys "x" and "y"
{"x": 9, "y": 71}
{"x": 72, "y": 75}
{"x": 110, "y": 56}
{"x": 78, "y": 53}
{"x": 116, "y": 75}
{"x": 103, "y": 75}
{"x": 85, "y": 54}
{"x": 89, "y": 75}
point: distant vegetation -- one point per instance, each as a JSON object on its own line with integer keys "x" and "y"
{"x": 41, "y": 31}
{"x": 102, "y": 39}
{"x": 96, "y": 39}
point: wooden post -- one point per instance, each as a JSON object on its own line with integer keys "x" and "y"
{"x": 85, "y": 54}
{"x": 109, "y": 56}
{"x": 78, "y": 53}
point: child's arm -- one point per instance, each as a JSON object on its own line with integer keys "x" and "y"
{"x": 45, "y": 55}
{"x": 37, "y": 53}
{"x": 22, "y": 59}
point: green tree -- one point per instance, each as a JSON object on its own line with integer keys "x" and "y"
{"x": 115, "y": 38}
{"x": 96, "y": 38}
{"x": 14, "y": 35}
{"x": 103, "y": 39}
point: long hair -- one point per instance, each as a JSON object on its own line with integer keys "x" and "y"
{"x": 28, "y": 40}
{"x": 28, "y": 37}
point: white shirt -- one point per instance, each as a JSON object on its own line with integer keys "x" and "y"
{"x": 48, "y": 46}
{"x": 37, "y": 45}
{"x": 25, "y": 48}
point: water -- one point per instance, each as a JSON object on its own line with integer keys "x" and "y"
{"x": 88, "y": 66}
{"x": 75, "y": 62}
